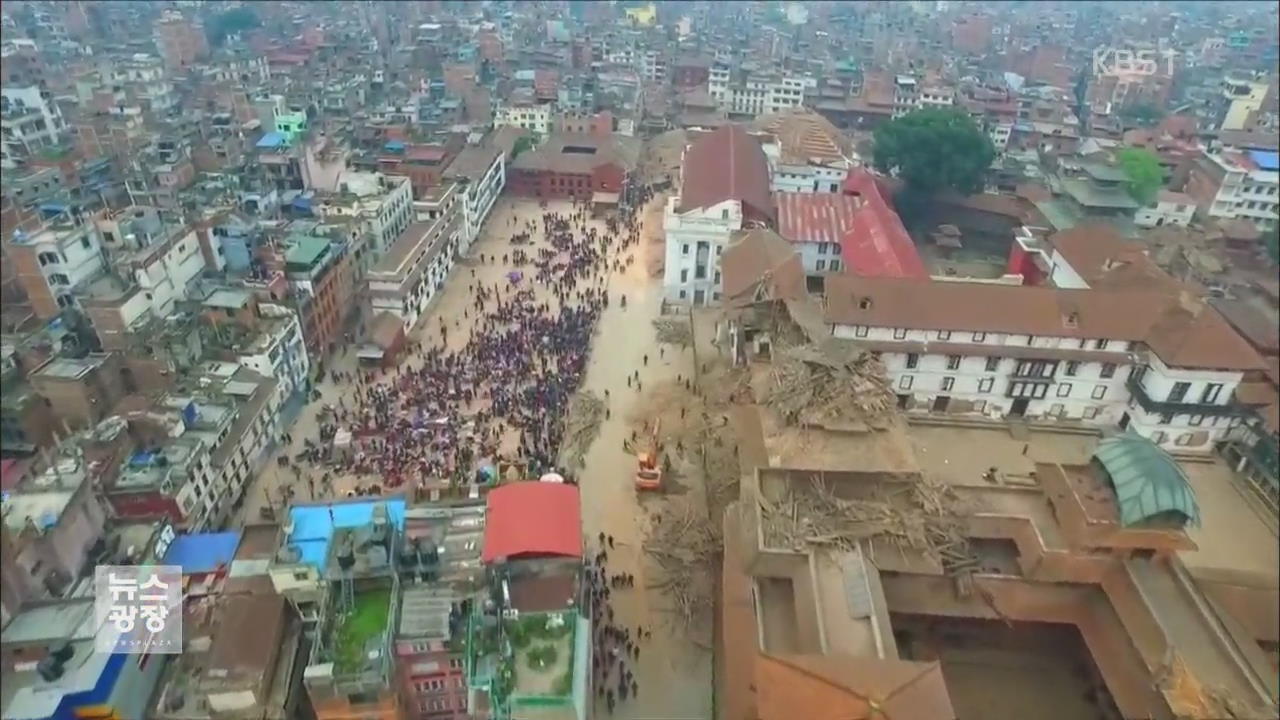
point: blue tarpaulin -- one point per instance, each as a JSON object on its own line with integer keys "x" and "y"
{"x": 202, "y": 552}
{"x": 1265, "y": 160}
{"x": 394, "y": 146}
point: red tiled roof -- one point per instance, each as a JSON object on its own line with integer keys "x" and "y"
{"x": 726, "y": 164}
{"x": 532, "y": 518}
{"x": 878, "y": 245}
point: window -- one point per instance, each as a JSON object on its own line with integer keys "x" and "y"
{"x": 944, "y": 334}
{"x": 948, "y": 383}
{"x": 953, "y": 362}
{"x": 716, "y": 279}
{"x": 835, "y": 265}
{"x": 684, "y": 250}
{"x": 1195, "y": 420}
{"x": 84, "y": 243}
{"x": 913, "y": 360}
{"x": 1179, "y": 391}
{"x": 1099, "y": 392}
{"x": 993, "y": 364}
{"x": 1064, "y": 389}
{"x": 684, "y": 276}
{"x": 905, "y": 382}
{"x": 1073, "y": 367}
{"x": 1101, "y": 345}
{"x": 724, "y": 214}
{"x": 1090, "y": 413}
{"x": 822, "y": 248}
{"x": 1031, "y": 339}
{"x": 979, "y": 337}
{"x": 1166, "y": 418}
{"x": 1108, "y": 370}
{"x": 985, "y": 385}
{"x": 683, "y": 294}
{"x": 860, "y": 331}
{"x": 899, "y": 334}
{"x": 822, "y": 265}
{"x": 1211, "y": 393}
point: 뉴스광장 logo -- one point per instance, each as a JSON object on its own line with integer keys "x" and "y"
{"x": 138, "y": 609}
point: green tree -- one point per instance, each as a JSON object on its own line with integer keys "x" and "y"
{"x": 231, "y": 22}
{"x": 933, "y": 150}
{"x": 1142, "y": 167}
{"x": 1143, "y": 114}
{"x": 524, "y": 142}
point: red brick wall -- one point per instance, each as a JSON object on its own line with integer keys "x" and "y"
{"x": 33, "y": 283}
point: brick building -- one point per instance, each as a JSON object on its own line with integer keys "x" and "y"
{"x": 320, "y": 273}
{"x": 574, "y": 166}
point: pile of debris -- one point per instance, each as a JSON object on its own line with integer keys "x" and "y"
{"x": 586, "y": 412}
{"x": 685, "y": 549}
{"x": 674, "y": 332}
{"x": 925, "y": 516}
{"x": 824, "y": 387}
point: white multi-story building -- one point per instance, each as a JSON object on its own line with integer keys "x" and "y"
{"x": 30, "y": 120}
{"x": 755, "y": 94}
{"x": 277, "y": 351}
{"x": 816, "y": 226}
{"x": 1169, "y": 208}
{"x": 999, "y": 134}
{"x": 1119, "y": 345}
{"x": 68, "y": 253}
{"x": 724, "y": 188}
{"x": 937, "y": 97}
{"x": 481, "y": 172}
{"x": 906, "y": 95}
{"x": 1230, "y": 185}
{"x": 534, "y": 117}
{"x": 413, "y": 271}
{"x": 383, "y": 202}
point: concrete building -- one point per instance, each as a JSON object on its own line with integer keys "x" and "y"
{"x": 527, "y": 115}
{"x": 382, "y": 203}
{"x": 1228, "y": 185}
{"x": 31, "y": 121}
{"x": 1245, "y": 98}
{"x": 355, "y": 556}
{"x": 1169, "y": 208}
{"x": 53, "y": 519}
{"x": 321, "y": 273}
{"x": 57, "y": 260}
{"x": 481, "y": 173}
{"x": 181, "y": 42}
{"x": 807, "y": 154}
{"x": 413, "y": 270}
{"x": 724, "y": 188}
{"x": 82, "y": 392}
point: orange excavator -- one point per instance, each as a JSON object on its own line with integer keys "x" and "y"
{"x": 649, "y": 463}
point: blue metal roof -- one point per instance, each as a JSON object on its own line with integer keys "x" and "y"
{"x": 203, "y": 552}
{"x": 271, "y": 140}
{"x": 313, "y": 525}
{"x": 1265, "y": 159}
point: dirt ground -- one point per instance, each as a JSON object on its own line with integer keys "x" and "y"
{"x": 674, "y": 675}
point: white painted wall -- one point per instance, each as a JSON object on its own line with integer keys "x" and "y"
{"x": 1165, "y": 213}
{"x": 699, "y": 234}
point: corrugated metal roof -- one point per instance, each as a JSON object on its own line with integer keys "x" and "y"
{"x": 1148, "y": 481}
{"x": 815, "y": 217}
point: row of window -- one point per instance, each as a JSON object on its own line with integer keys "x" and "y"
{"x": 1033, "y": 390}
{"x": 1026, "y": 368}
{"x": 977, "y": 337}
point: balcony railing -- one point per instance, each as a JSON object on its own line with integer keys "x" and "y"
{"x": 1164, "y": 407}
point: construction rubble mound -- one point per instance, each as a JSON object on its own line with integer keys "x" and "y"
{"x": 586, "y": 412}
{"x": 673, "y": 332}
{"x": 683, "y": 545}
{"x": 830, "y": 386}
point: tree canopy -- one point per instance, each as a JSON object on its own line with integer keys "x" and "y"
{"x": 231, "y": 22}
{"x": 1143, "y": 114}
{"x": 933, "y": 150}
{"x": 1146, "y": 177}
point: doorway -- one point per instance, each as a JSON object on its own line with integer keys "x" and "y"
{"x": 940, "y": 403}
{"x": 1019, "y": 407}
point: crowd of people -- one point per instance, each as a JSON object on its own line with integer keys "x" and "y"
{"x": 450, "y": 413}
{"x": 615, "y": 647}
